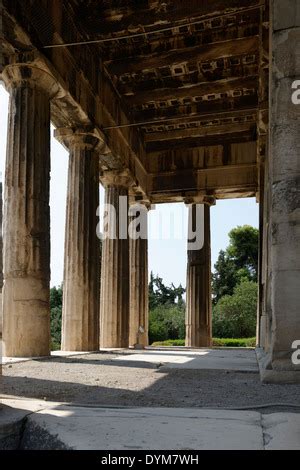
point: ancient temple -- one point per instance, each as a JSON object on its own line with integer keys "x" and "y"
{"x": 162, "y": 101}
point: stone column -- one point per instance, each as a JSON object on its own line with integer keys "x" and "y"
{"x": 1, "y": 253}
{"x": 26, "y": 217}
{"x": 138, "y": 248}
{"x": 198, "y": 291}
{"x": 284, "y": 195}
{"x": 1, "y": 271}
{"x": 114, "y": 303}
{"x": 81, "y": 286}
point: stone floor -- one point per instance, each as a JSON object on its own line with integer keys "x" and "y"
{"x": 171, "y": 378}
{"x": 216, "y": 393}
{"x": 59, "y": 426}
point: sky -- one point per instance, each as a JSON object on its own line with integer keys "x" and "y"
{"x": 167, "y": 257}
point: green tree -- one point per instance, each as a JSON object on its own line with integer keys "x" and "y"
{"x": 238, "y": 262}
{"x": 56, "y": 314}
{"x": 224, "y": 279}
{"x": 166, "y": 310}
{"x": 56, "y": 294}
{"x": 243, "y": 249}
{"x": 234, "y": 316}
{"x": 159, "y": 294}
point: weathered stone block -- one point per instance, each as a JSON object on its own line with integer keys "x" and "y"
{"x": 286, "y": 14}
{"x": 284, "y": 111}
{"x": 286, "y": 150}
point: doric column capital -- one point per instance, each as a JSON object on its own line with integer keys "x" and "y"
{"x": 27, "y": 70}
{"x": 121, "y": 178}
{"x": 136, "y": 197}
{"x": 200, "y": 199}
{"x": 84, "y": 137}
{"x": 146, "y": 204}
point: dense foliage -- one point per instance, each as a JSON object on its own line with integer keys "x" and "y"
{"x": 239, "y": 261}
{"x": 56, "y": 314}
{"x": 234, "y": 316}
{"x": 166, "y": 322}
{"x": 159, "y": 294}
{"x": 166, "y": 311}
{"x": 234, "y": 285}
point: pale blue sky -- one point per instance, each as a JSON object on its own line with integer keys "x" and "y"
{"x": 166, "y": 257}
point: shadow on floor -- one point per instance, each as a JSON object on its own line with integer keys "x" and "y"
{"x": 94, "y": 380}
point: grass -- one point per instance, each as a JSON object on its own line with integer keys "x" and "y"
{"x": 217, "y": 342}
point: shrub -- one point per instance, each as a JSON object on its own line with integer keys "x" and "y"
{"x": 217, "y": 342}
{"x": 234, "y": 342}
{"x": 169, "y": 342}
{"x": 166, "y": 322}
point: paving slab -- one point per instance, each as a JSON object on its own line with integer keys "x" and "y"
{"x": 281, "y": 431}
{"x": 84, "y": 428}
{"x": 11, "y": 423}
{"x": 15, "y": 360}
{"x": 54, "y": 425}
{"x": 218, "y": 359}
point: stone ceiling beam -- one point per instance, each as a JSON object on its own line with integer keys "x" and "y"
{"x": 201, "y": 131}
{"x": 213, "y": 106}
{"x": 190, "y": 142}
{"x": 209, "y": 31}
{"x": 211, "y": 181}
{"x": 201, "y": 158}
{"x": 192, "y": 91}
{"x": 115, "y": 19}
{"x": 191, "y": 54}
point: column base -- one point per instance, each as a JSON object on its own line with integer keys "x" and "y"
{"x": 271, "y": 374}
{"x": 138, "y": 346}
{"x": 197, "y": 338}
{"x": 141, "y": 341}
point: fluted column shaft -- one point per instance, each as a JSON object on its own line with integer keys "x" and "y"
{"x": 114, "y": 310}
{"x": 1, "y": 270}
{"x": 281, "y": 327}
{"x": 1, "y": 246}
{"x": 139, "y": 298}
{"x": 198, "y": 296}
{"x": 81, "y": 287}
{"x": 26, "y": 217}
